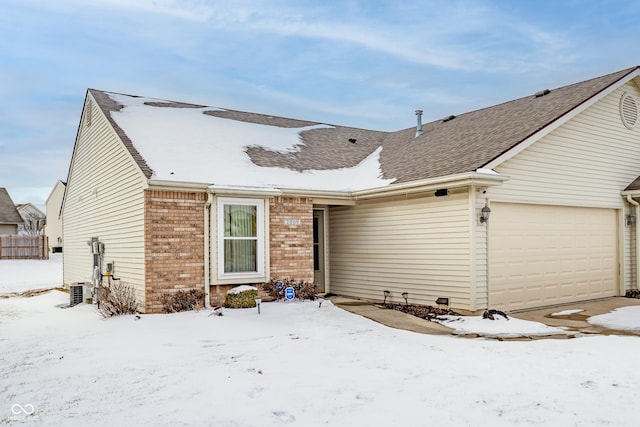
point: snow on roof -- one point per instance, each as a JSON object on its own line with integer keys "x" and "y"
{"x": 187, "y": 145}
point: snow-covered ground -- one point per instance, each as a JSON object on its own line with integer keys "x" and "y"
{"x": 500, "y": 327}
{"x": 27, "y": 274}
{"x": 295, "y": 363}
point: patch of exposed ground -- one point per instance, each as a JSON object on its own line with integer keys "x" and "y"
{"x": 422, "y": 311}
{"x": 32, "y": 292}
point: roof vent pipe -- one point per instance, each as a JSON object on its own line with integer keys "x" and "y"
{"x": 419, "y": 124}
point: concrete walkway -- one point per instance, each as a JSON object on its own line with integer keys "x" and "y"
{"x": 392, "y": 318}
{"x": 574, "y": 322}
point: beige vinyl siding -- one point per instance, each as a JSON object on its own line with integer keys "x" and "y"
{"x": 630, "y": 267}
{"x": 104, "y": 199}
{"x": 420, "y": 246}
{"x": 587, "y": 161}
{"x": 53, "y": 229}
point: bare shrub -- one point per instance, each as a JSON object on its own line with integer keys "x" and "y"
{"x": 304, "y": 290}
{"x": 632, "y": 293}
{"x": 183, "y": 300}
{"x": 423, "y": 311}
{"x": 117, "y": 298}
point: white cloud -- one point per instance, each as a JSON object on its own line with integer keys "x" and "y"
{"x": 447, "y": 35}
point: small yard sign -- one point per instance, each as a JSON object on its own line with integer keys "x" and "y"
{"x": 289, "y": 293}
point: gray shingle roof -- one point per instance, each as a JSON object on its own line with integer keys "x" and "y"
{"x": 473, "y": 139}
{"x": 634, "y": 186}
{"x": 8, "y": 212}
{"x": 463, "y": 144}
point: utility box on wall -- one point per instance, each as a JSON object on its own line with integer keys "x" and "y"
{"x": 108, "y": 271}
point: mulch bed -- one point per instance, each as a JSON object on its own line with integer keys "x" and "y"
{"x": 422, "y": 311}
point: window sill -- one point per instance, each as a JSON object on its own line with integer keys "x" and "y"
{"x": 241, "y": 278}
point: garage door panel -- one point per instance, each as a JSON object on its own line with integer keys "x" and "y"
{"x": 545, "y": 255}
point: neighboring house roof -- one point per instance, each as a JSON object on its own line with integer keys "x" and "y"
{"x": 54, "y": 189}
{"x": 28, "y": 210}
{"x": 194, "y": 143}
{"x": 8, "y": 212}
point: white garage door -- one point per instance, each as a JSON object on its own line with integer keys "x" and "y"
{"x": 545, "y": 255}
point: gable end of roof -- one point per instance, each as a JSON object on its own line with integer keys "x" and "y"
{"x": 107, "y": 105}
{"x": 585, "y": 91}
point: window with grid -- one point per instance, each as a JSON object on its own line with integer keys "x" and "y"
{"x": 241, "y": 235}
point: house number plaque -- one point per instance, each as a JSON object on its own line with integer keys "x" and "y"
{"x": 292, "y": 221}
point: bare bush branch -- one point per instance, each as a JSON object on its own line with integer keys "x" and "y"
{"x": 183, "y": 300}
{"x": 117, "y": 298}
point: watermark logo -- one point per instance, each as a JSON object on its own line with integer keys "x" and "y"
{"x": 27, "y": 409}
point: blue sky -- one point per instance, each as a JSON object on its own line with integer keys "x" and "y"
{"x": 362, "y": 63}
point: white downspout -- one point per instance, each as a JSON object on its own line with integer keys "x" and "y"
{"x": 207, "y": 250}
{"x": 637, "y": 205}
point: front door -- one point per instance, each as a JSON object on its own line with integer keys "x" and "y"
{"x": 318, "y": 249}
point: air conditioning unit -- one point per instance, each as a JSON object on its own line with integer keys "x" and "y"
{"x": 76, "y": 294}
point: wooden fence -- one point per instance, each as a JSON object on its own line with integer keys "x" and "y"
{"x": 24, "y": 247}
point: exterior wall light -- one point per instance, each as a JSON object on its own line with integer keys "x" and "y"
{"x": 630, "y": 219}
{"x": 386, "y": 294}
{"x": 484, "y": 214}
{"x": 258, "y": 301}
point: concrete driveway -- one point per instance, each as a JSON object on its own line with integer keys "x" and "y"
{"x": 576, "y": 322}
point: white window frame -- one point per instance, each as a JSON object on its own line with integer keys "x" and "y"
{"x": 260, "y": 235}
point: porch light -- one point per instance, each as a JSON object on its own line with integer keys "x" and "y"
{"x": 484, "y": 214}
{"x": 405, "y": 295}
{"x": 258, "y": 300}
{"x": 386, "y": 294}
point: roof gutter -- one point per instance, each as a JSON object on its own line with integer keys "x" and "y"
{"x": 243, "y": 191}
{"x": 450, "y": 181}
{"x": 342, "y": 197}
{"x": 163, "y": 184}
{"x": 322, "y": 197}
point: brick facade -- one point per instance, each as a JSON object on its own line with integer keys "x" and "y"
{"x": 174, "y": 244}
{"x": 291, "y": 237}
